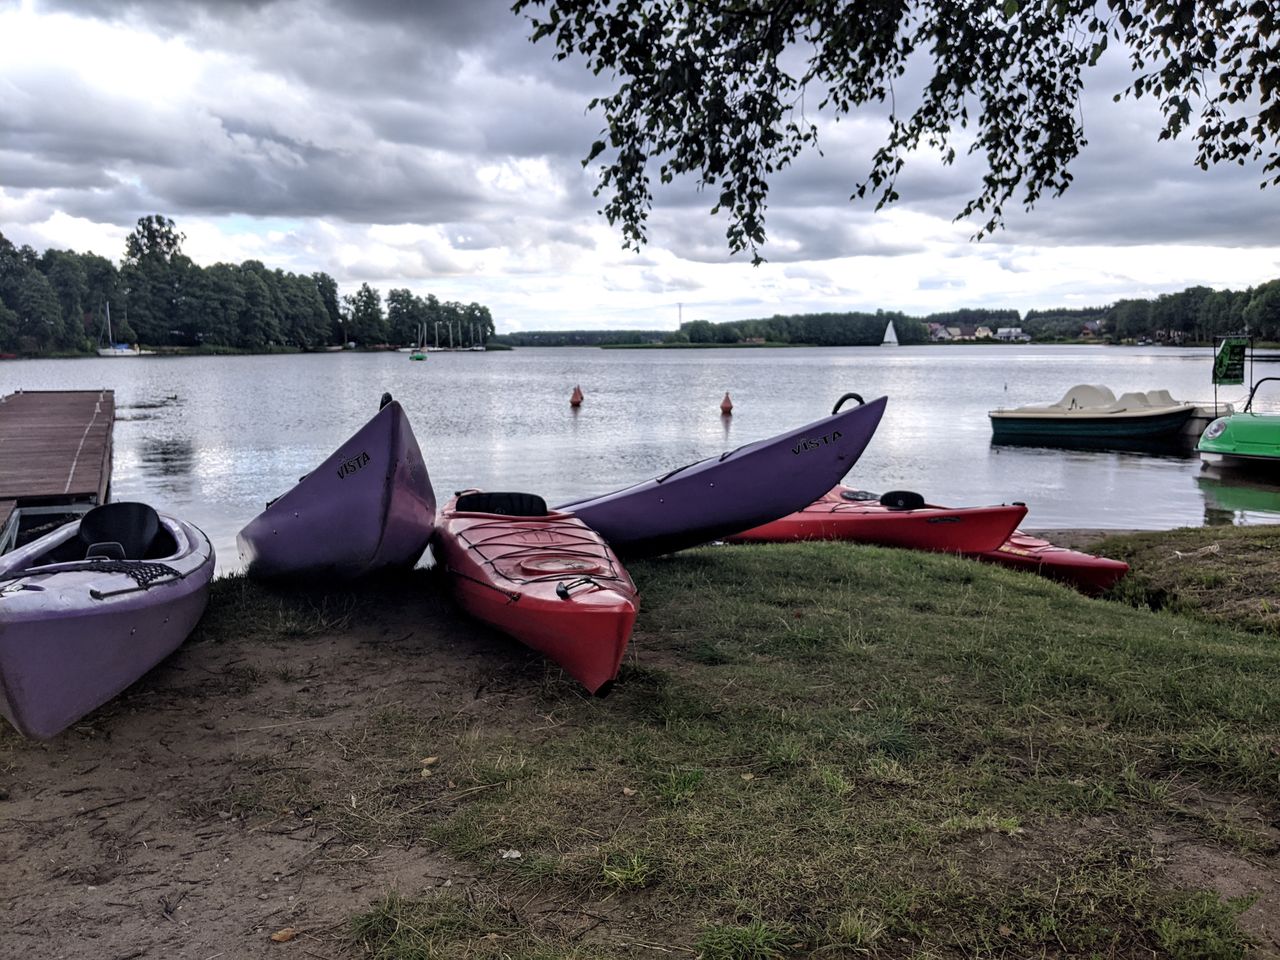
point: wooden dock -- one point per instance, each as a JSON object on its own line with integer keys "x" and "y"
{"x": 55, "y": 453}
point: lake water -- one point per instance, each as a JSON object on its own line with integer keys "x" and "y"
{"x": 213, "y": 438}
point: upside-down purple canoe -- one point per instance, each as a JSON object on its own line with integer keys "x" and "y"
{"x": 369, "y": 506}
{"x": 736, "y": 491}
{"x": 90, "y": 607}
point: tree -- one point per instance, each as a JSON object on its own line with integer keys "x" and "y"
{"x": 710, "y": 88}
{"x": 366, "y": 323}
{"x": 66, "y": 274}
{"x": 699, "y": 331}
{"x": 8, "y": 328}
{"x": 155, "y": 237}
{"x": 153, "y": 273}
{"x": 39, "y": 313}
{"x": 479, "y": 322}
{"x": 1263, "y": 311}
{"x": 405, "y": 312}
{"x": 306, "y": 321}
{"x": 256, "y": 325}
{"x": 328, "y": 288}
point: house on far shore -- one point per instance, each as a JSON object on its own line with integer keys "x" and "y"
{"x": 940, "y": 332}
{"x": 1012, "y": 334}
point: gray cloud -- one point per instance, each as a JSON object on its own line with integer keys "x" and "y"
{"x": 397, "y": 112}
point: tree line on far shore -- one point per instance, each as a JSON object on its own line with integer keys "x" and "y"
{"x": 1194, "y": 315}
{"x": 58, "y": 301}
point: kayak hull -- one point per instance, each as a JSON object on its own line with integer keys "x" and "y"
{"x": 367, "y": 507}
{"x": 72, "y": 639}
{"x": 505, "y": 570}
{"x": 834, "y": 516}
{"x": 741, "y": 489}
{"x": 1084, "y": 571}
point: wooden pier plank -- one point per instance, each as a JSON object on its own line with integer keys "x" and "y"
{"x": 55, "y": 446}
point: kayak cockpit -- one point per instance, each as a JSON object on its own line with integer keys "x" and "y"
{"x": 113, "y": 531}
{"x": 501, "y": 503}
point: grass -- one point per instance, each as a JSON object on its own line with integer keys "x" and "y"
{"x": 819, "y": 749}
{"x": 240, "y": 609}
{"x": 1221, "y": 574}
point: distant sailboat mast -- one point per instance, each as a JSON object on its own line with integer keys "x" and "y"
{"x": 111, "y": 348}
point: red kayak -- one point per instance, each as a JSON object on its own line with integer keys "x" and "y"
{"x": 1084, "y": 571}
{"x": 544, "y": 577}
{"x": 898, "y": 519}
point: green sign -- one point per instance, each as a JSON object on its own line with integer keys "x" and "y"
{"x": 1228, "y": 365}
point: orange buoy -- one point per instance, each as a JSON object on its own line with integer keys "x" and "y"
{"x": 575, "y": 399}
{"x": 726, "y": 406}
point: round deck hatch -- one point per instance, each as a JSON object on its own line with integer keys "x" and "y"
{"x": 554, "y": 565}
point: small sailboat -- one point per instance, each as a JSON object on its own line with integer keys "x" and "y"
{"x": 890, "y": 338}
{"x": 419, "y": 350}
{"x": 113, "y": 349}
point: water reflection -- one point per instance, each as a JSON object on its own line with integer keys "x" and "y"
{"x": 1178, "y": 447}
{"x": 168, "y": 461}
{"x": 1232, "y": 495}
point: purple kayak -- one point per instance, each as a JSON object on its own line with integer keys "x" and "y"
{"x": 736, "y": 491}
{"x": 369, "y": 506}
{"x": 90, "y": 607}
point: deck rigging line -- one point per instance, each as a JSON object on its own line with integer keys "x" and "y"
{"x": 97, "y": 408}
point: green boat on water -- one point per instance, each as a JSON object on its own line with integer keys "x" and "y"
{"x": 1245, "y": 439}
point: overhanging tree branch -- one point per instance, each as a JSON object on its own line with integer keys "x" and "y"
{"x": 701, "y": 89}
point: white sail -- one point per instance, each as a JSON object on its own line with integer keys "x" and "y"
{"x": 890, "y": 336}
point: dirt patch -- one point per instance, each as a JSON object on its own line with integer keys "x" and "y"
{"x": 1194, "y": 864}
{"x": 148, "y": 829}
{"x": 1082, "y": 538}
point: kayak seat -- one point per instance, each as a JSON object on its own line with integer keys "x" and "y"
{"x": 130, "y": 528}
{"x": 505, "y": 504}
{"x": 902, "y": 500}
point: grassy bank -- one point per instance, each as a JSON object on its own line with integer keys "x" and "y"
{"x": 1227, "y": 575}
{"x": 825, "y": 750}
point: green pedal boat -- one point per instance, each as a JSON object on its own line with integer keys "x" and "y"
{"x": 1247, "y": 438}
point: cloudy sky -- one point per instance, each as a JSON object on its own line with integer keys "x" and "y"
{"x": 432, "y": 146}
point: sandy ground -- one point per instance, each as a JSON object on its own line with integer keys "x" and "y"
{"x": 120, "y": 839}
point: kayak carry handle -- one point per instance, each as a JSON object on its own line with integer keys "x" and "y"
{"x": 847, "y": 396}
{"x": 562, "y": 588}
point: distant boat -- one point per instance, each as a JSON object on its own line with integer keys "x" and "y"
{"x": 1092, "y": 412}
{"x": 118, "y": 349}
{"x": 890, "y": 336}
{"x": 419, "y": 352}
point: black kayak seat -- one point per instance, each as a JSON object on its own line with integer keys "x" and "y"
{"x": 130, "y": 527}
{"x": 902, "y": 500}
{"x": 505, "y": 504}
